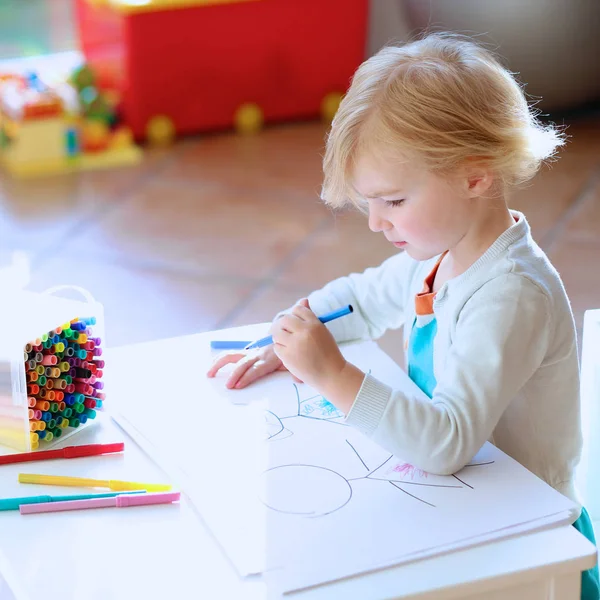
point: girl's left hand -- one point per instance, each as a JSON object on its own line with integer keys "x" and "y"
{"x": 306, "y": 347}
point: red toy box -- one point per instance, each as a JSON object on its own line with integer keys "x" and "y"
{"x": 199, "y": 65}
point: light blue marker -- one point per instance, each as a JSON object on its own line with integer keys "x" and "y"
{"x": 336, "y": 314}
{"x": 228, "y": 345}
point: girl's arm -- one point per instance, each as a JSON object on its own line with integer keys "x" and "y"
{"x": 377, "y": 296}
{"x": 501, "y": 340}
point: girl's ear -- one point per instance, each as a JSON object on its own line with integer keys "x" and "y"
{"x": 479, "y": 179}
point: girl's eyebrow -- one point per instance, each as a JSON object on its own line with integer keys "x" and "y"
{"x": 384, "y": 193}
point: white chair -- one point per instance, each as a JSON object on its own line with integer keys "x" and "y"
{"x": 588, "y": 474}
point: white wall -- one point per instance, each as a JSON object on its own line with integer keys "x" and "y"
{"x": 553, "y": 45}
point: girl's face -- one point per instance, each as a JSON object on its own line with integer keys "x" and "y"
{"x": 415, "y": 209}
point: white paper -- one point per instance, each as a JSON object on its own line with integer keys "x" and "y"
{"x": 286, "y": 486}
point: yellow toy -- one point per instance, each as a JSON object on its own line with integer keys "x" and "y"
{"x": 160, "y": 131}
{"x": 248, "y": 119}
{"x": 330, "y": 105}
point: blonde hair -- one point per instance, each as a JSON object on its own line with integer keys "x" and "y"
{"x": 441, "y": 100}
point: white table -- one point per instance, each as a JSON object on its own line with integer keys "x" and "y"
{"x": 166, "y": 552}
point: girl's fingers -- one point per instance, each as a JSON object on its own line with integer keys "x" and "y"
{"x": 289, "y": 323}
{"x": 240, "y": 371}
{"x": 281, "y": 336}
{"x": 224, "y": 359}
{"x": 256, "y": 371}
{"x": 303, "y": 312}
{"x": 298, "y": 311}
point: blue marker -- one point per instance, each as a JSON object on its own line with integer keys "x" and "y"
{"x": 228, "y": 345}
{"x": 336, "y": 314}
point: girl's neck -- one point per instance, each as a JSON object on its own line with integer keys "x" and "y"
{"x": 491, "y": 218}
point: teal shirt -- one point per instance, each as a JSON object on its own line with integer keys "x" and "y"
{"x": 422, "y": 336}
{"x": 420, "y": 353}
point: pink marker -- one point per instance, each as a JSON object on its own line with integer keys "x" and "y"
{"x": 147, "y": 499}
{"x": 114, "y": 502}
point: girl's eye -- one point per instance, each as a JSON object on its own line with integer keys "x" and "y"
{"x": 394, "y": 202}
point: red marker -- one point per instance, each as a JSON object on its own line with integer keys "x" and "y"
{"x": 68, "y": 452}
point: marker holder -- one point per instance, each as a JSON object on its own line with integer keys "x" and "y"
{"x": 27, "y": 318}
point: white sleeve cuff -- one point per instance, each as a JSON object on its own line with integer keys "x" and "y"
{"x": 369, "y": 405}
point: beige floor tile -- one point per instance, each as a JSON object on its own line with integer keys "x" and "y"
{"x": 346, "y": 245}
{"x": 263, "y": 306}
{"x": 575, "y": 260}
{"x": 113, "y": 183}
{"x": 44, "y": 213}
{"x": 281, "y": 158}
{"x": 142, "y": 305}
{"x": 545, "y": 199}
{"x": 37, "y": 214}
{"x": 208, "y": 229}
{"x": 585, "y": 224}
{"x": 583, "y": 140}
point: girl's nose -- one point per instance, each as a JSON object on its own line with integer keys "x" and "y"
{"x": 377, "y": 223}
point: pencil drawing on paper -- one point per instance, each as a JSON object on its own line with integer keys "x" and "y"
{"x": 323, "y": 490}
{"x": 310, "y": 491}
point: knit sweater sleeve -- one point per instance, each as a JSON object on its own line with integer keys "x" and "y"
{"x": 501, "y": 338}
{"x": 377, "y": 296}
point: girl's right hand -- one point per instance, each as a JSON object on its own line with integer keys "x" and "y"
{"x": 251, "y": 365}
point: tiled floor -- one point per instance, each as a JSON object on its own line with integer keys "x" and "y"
{"x": 222, "y": 230}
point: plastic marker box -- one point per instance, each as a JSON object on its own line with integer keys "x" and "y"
{"x": 51, "y": 367}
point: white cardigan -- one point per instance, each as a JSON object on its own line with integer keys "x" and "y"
{"x": 505, "y": 360}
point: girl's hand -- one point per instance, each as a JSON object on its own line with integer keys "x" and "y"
{"x": 306, "y": 347}
{"x": 251, "y": 365}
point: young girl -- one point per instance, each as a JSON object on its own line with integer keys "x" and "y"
{"x": 429, "y": 140}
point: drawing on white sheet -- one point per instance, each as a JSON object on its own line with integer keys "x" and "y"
{"x": 324, "y": 490}
{"x": 304, "y": 490}
{"x": 274, "y": 427}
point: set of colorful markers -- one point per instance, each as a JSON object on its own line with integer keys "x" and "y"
{"x": 64, "y": 372}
